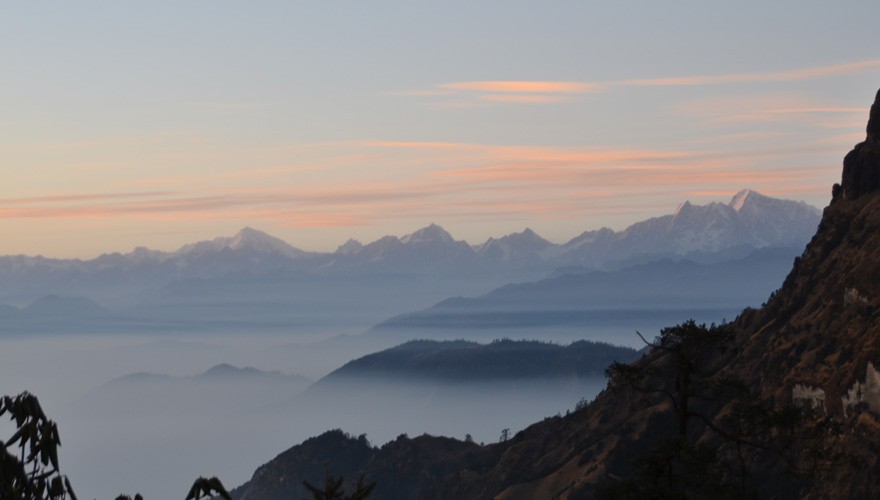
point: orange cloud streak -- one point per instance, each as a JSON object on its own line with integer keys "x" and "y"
{"x": 447, "y": 180}
{"x": 420, "y": 145}
{"x": 524, "y": 87}
{"x": 525, "y": 98}
{"x": 538, "y": 91}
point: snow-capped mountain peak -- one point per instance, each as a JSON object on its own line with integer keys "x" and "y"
{"x": 430, "y": 234}
{"x": 246, "y": 239}
{"x": 681, "y": 208}
{"x": 527, "y": 240}
{"x": 144, "y": 254}
{"x": 749, "y": 220}
{"x": 739, "y": 199}
{"x": 349, "y": 247}
{"x": 258, "y": 240}
{"x": 522, "y": 246}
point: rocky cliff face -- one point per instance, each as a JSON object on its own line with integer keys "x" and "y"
{"x": 861, "y": 167}
{"x": 821, "y": 327}
{"x": 815, "y": 343}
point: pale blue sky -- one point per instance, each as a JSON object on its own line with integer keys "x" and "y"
{"x": 162, "y": 123}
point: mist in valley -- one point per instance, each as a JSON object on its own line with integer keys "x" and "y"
{"x": 147, "y": 409}
{"x": 138, "y": 414}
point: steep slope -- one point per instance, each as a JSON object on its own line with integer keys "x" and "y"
{"x": 814, "y": 343}
{"x": 822, "y": 328}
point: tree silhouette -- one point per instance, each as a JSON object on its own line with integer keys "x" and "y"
{"x": 505, "y": 434}
{"x": 683, "y": 370}
{"x": 32, "y": 473}
{"x": 334, "y": 490}
{"x": 207, "y": 487}
{"x": 684, "y": 352}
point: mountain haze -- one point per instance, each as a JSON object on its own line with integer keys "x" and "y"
{"x": 577, "y": 300}
{"x": 252, "y": 280}
{"x": 749, "y": 220}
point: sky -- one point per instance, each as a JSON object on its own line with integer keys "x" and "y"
{"x": 157, "y": 124}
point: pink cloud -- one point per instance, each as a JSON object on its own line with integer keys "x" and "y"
{"x": 445, "y": 180}
{"x": 473, "y": 93}
{"x": 468, "y": 93}
{"x": 525, "y": 98}
{"x": 524, "y": 87}
{"x": 421, "y": 145}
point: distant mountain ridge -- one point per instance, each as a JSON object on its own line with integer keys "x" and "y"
{"x": 460, "y": 360}
{"x": 636, "y": 297}
{"x": 252, "y": 280}
{"x": 749, "y": 221}
{"x": 246, "y": 240}
{"x": 204, "y": 393}
{"x": 220, "y": 372}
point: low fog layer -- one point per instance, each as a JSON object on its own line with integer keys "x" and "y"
{"x": 122, "y": 428}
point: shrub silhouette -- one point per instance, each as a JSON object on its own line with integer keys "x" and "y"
{"x": 681, "y": 372}
{"x": 32, "y": 473}
{"x": 333, "y": 489}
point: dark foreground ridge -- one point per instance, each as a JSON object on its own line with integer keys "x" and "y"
{"x": 860, "y": 172}
{"x": 814, "y": 345}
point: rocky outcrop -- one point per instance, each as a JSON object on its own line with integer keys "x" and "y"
{"x": 865, "y": 393}
{"x": 861, "y": 167}
{"x": 874, "y": 120}
{"x": 808, "y": 397}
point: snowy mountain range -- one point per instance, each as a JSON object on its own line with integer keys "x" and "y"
{"x": 749, "y": 221}
{"x": 254, "y": 280}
